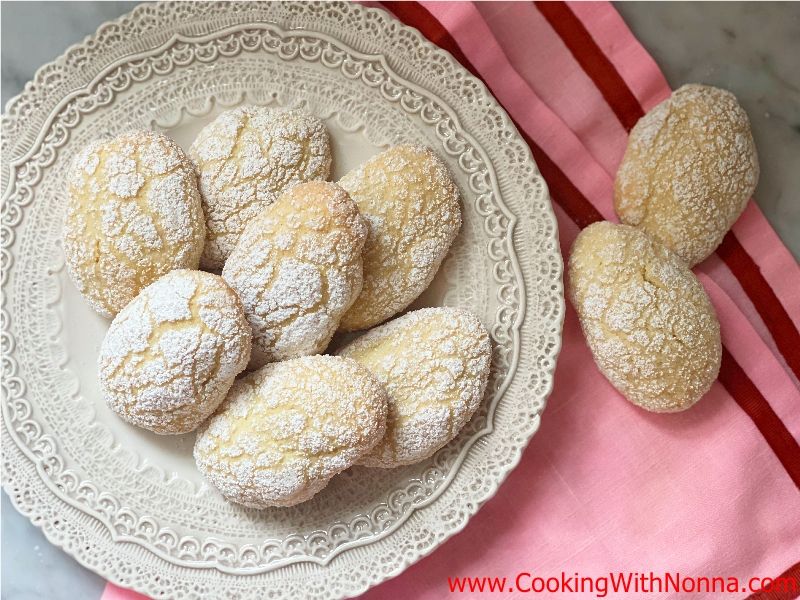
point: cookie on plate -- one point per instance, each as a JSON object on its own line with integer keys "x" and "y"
{"x": 288, "y": 428}
{"x": 246, "y": 158}
{"x": 133, "y": 215}
{"x": 413, "y": 209}
{"x": 435, "y": 364}
{"x": 171, "y": 354}
{"x": 297, "y": 268}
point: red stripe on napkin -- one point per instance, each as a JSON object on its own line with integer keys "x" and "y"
{"x": 568, "y": 197}
{"x": 593, "y": 61}
{"x": 752, "y": 402}
{"x": 769, "y": 307}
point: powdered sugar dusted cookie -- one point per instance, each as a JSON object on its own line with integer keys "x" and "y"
{"x": 689, "y": 170}
{"x": 245, "y": 158}
{"x": 646, "y": 318}
{"x": 297, "y": 269}
{"x": 435, "y": 364}
{"x": 289, "y": 427}
{"x": 171, "y": 355}
{"x": 133, "y": 215}
{"x": 413, "y": 209}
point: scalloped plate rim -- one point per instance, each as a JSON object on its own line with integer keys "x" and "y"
{"x": 517, "y": 454}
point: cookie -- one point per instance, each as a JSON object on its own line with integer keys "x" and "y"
{"x": 288, "y": 428}
{"x": 648, "y": 321}
{"x": 172, "y": 353}
{"x": 297, "y": 269}
{"x": 413, "y": 209}
{"x": 246, "y": 158}
{"x": 434, "y": 363}
{"x": 133, "y": 214}
{"x": 688, "y": 171}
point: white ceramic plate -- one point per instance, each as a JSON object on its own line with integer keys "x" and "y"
{"x": 130, "y": 505}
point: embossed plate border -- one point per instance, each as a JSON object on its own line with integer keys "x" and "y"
{"x": 26, "y": 130}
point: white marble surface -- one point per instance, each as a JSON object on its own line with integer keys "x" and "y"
{"x": 750, "y": 48}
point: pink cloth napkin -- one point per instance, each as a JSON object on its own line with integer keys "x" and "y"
{"x": 606, "y": 487}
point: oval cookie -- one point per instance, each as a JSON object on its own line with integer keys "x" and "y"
{"x": 646, "y": 318}
{"x": 297, "y": 269}
{"x": 289, "y": 427}
{"x": 413, "y": 210}
{"x": 133, "y": 215}
{"x": 689, "y": 170}
{"x": 171, "y": 355}
{"x": 435, "y": 364}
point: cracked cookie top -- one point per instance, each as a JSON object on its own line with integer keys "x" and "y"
{"x": 133, "y": 214}
{"x": 172, "y": 354}
{"x": 413, "y": 209}
{"x": 297, "y": 268}
{"x": 688, "y": 171}
{"x": 435, "y": 364}
{"x": 285, "y": 430}
{"x": 647, "y": 320}
{"x": 245, "y": 159}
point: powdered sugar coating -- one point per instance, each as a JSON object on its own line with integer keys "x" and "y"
{"x": 434, "y": 363}
{"x": 171, "y": 355}
{"x": 646, "y": 318}
{"x": 245, "y": 158}
{"x": 289, "y": 427}
{"x": 133, "y": 215}
{"x": 689, "y": 170}
{"x": 297, "y": 268}
{"x": 413, "y": 209}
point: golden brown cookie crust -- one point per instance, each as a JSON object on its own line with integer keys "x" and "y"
{"x": 413, "y": 209}
{"x": 435, "y": 364}
{"x": 688, "y": 171}
{"x": 647, "y": 320}
{"x": 288, "y": 428}
{"x": 133, "y": 215}
{"x": 298, "y": 268}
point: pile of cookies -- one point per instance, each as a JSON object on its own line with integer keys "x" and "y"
{"x": 686, "y": 176}
{"x": 288, "y": 259}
